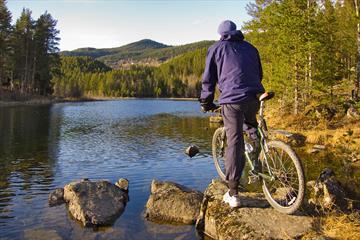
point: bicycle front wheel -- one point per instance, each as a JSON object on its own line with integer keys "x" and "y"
{"x": 218, "y": 151}
{"x": 286, "y": 191}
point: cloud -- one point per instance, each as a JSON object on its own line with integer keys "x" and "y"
{"x": 198, "y": 21}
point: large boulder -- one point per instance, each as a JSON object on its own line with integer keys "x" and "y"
{"x": 95, "y": 203}
{"x": 172, "y": 203}
{"x": 254, "y": 220}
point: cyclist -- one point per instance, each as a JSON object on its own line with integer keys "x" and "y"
{"x": 235, "y": 65}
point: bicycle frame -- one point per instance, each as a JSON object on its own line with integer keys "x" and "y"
{"x": 262, "y": 130}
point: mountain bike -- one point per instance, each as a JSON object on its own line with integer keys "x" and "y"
{"x": 281, "y": 171}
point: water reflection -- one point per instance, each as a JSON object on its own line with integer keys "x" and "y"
{"x": 26, "y": 166}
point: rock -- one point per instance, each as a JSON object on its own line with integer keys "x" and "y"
{"x": 192, "y": 150}
{"x": 352, "y": 112}
{"x": 325, "y": 111}
{"x": 56, "y": 197}
{"x": 296, "y": 139}
{"x": 95, "y": 203}
{"x": 172, "y": 203}
{"x": 317, "y": 148}
{"x": 254, "y": 220}
{"x": 320, "y": 147}
{"x": 41, "y": 234}
{"x": 123, "y": 184}
{"x": 314, "y": 150}
{"x": 327, "y": 194}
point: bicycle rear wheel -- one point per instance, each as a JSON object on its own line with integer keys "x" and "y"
{"x": 218, "y": 151}
{"x": 286, "y": 192}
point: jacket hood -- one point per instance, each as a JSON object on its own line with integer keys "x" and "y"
{"x": 234, "y": 36}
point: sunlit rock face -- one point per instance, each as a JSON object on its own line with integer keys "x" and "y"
{"x": 255, "y": 219}
{"x": 172, "y": 203}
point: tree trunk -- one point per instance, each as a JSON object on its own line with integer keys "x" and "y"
{"x": 357, "y": 80}
{"x": 296, "y": 89}
{"x": 310, "y": 74}
{"x": 12, "y": 81}
{"x": 32, "y": 85}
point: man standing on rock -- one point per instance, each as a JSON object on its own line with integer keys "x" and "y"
{"x": 235, "y": 65}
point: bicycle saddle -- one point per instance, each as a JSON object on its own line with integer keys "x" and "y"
{"x": 266, "y": 96}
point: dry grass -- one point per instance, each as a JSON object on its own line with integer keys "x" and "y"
{"x": 336, "y": 226}
{"x": 341, "y": 131}
{"x": 345, "y": 226}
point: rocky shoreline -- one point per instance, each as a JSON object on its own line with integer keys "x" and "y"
{"x": 96, "y": 203}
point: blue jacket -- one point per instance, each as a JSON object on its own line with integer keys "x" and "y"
{"x": 235, "y": 65}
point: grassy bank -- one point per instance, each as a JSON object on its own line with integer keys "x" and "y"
{"x": 15, "y": 98}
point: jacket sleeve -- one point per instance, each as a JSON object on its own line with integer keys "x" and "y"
{"x": 210, "y": 78}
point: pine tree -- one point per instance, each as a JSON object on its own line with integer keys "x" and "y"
{"x": 23, "y": 54}
{"x": 46, "y": 62}
{"x": 5, "y": 44}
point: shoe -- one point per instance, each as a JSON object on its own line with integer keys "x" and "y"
{"x": 233, "y": 201}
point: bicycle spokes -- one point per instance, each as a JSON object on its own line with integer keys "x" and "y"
{"x": 285, "y": 186}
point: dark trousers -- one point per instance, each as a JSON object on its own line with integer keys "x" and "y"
{"x": 234, "y": 117}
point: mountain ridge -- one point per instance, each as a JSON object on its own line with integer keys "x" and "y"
{"x": 145, "y": 51}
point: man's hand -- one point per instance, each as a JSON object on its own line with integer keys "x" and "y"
{"x": 207, "y": 106}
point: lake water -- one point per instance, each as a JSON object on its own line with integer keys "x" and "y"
{"x": 45, "y": 147}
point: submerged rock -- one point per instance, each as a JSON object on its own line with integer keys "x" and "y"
{"x": 254, "y": 220}
{"x": 41, "y": 234}
{"x": 95, "y": 203}
{"x": 56, "y": 197}
{"x": 172, "y": 203}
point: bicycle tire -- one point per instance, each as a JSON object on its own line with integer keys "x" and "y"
{"x": 218, "y": 139}
{"x": 294, "y": 204}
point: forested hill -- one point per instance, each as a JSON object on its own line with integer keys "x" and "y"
{"x": 135, "y": 47}
{"x": 86, "y": 77}
{"x": 145, "y": 51}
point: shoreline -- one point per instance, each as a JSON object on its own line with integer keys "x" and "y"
{"x": 54, "y": 100}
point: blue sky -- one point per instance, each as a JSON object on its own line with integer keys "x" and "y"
{"x": 112, "y": 23}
